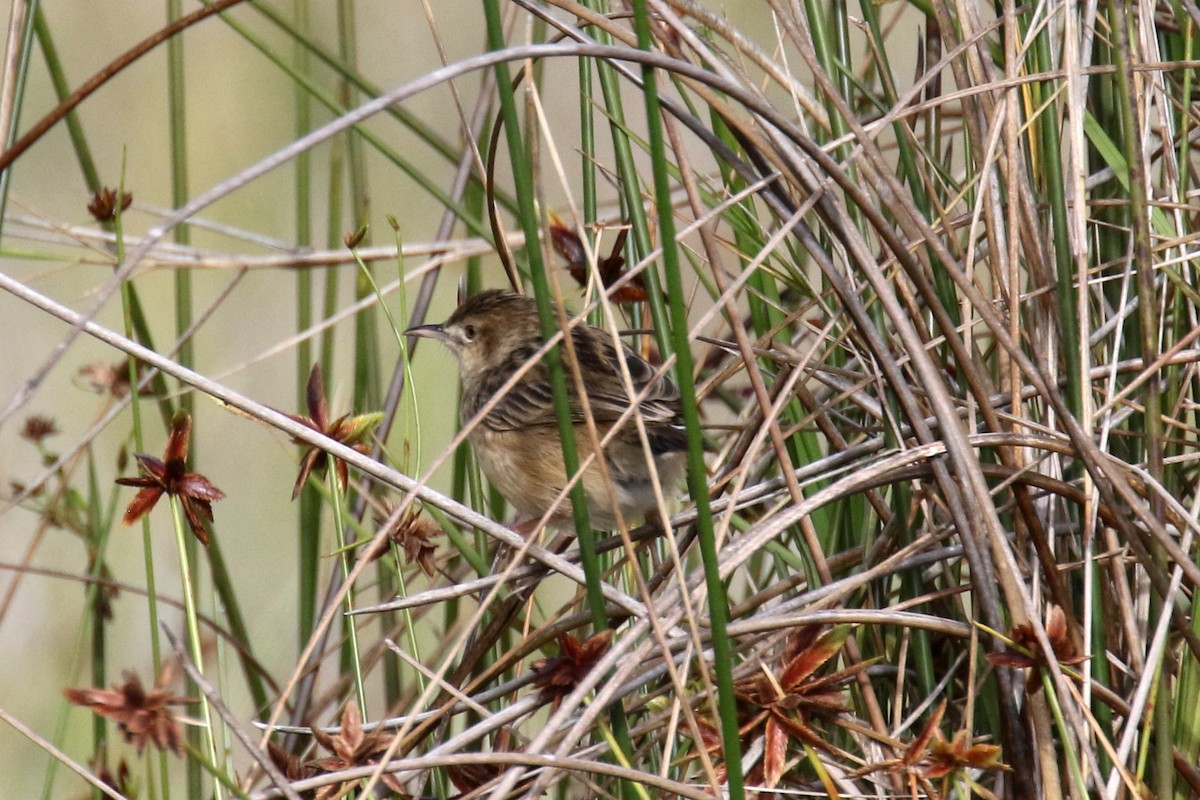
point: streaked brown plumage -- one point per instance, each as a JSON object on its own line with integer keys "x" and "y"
{"x": 517, "y": 444}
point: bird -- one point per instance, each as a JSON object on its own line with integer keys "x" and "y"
{"x": 496, "y": 332}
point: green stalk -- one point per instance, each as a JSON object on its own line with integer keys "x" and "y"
{"x": 366, "y": 344}
{"x": 410, "y": 633}
{"x": 410, "y": 430}
{"x": 221, "y": 779}
{"x": 1186, "y": 730}
{"x": 99, "y": 529}
{"x": 177, "y": 117}
{"x": 1184, "y": 121}
{"x": 339, "y": 529}
{"x": 630, "y": 185}
{"x": 135, "y": 408}
{"x": 587, "y": 147}
{"x": 697, "y": 470}
{"x": 177, "y": 123}
{"x": 1054, "y": 195}
{"x": 527, "y": 213}
{"x": 908, "y": 166}
{"x": 333, "y": 222}
{"x": 95, "y": 537}
{"x": 462, "y": 478}
{"x": 62, "y": 722}
{"x": 62, "y": 90}
{"x": 92, "y": 180}
{"x": 1060, "y": 722}
{"x": 193, "y": 630}
{"x": 817, "y": 14}
{"x": 223, "y": 585}
{"x": 309, "y": 512}
{"x": 1148, "y": 330}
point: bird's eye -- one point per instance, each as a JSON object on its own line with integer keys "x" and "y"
{"x": 469, "y": 332}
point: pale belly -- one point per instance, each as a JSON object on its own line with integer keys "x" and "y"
{"x": 527, "y": 468}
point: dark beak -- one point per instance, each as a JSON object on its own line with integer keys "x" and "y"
{"x": 427, "y": 332}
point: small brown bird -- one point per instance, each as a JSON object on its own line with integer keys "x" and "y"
{"x": 517, "y": 444}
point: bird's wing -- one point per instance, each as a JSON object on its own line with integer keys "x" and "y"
{"x": 606, "y": 389}
{"x": 530, "y": 402}
{"x": 526, "y": 404}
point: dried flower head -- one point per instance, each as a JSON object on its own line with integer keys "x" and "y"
{"x": 289, "y": 765}
{"x": 412, "y": 534}
{"x": 112, "y": 379}
{"x": 559, "y": 675}
{"x": 946, "y": 758}
{"x": 1027, "y": 651}
{"x": 141, "y": 716}
{"x": 104, "y": 204}
{"x": 611, "y": 267}
{"x": 350, "y": 431}
{"x": 122, "y": 781}
{"x": 350, "y": 747}
{"x": 170, "y": 476}
{"x": 787, "y": 701}
{"x": 37, "y": 428}
{"x": 928, "y": 757}
{"x": 355, "y": 238}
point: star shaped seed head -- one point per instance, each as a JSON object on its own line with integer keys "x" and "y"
{"x": 170, "y": 476}
{"x": 1027, "y": 653}
{"x": 142, "y": 716}
{"x": 37, "y": 428}
{"x": 558, "y": 676}
{"x": 351, "y": 747}
{"x": 412, "y": 534}
{"x": 350, "y": 431}
{"x": 611, "y": 267}
{"x": 103, "y": 206}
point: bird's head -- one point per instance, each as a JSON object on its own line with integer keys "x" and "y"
{"x": 486, "y": 330}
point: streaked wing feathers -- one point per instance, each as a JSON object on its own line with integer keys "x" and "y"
{"x": 530, "y": 403}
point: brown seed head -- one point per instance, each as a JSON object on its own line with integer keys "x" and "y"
{"x": 104, "y": 204}
{"x": 142, "y": 716}
{"x": 37, "y": 428}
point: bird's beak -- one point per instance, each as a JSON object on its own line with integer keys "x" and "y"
{"x": 427, "y": 332}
